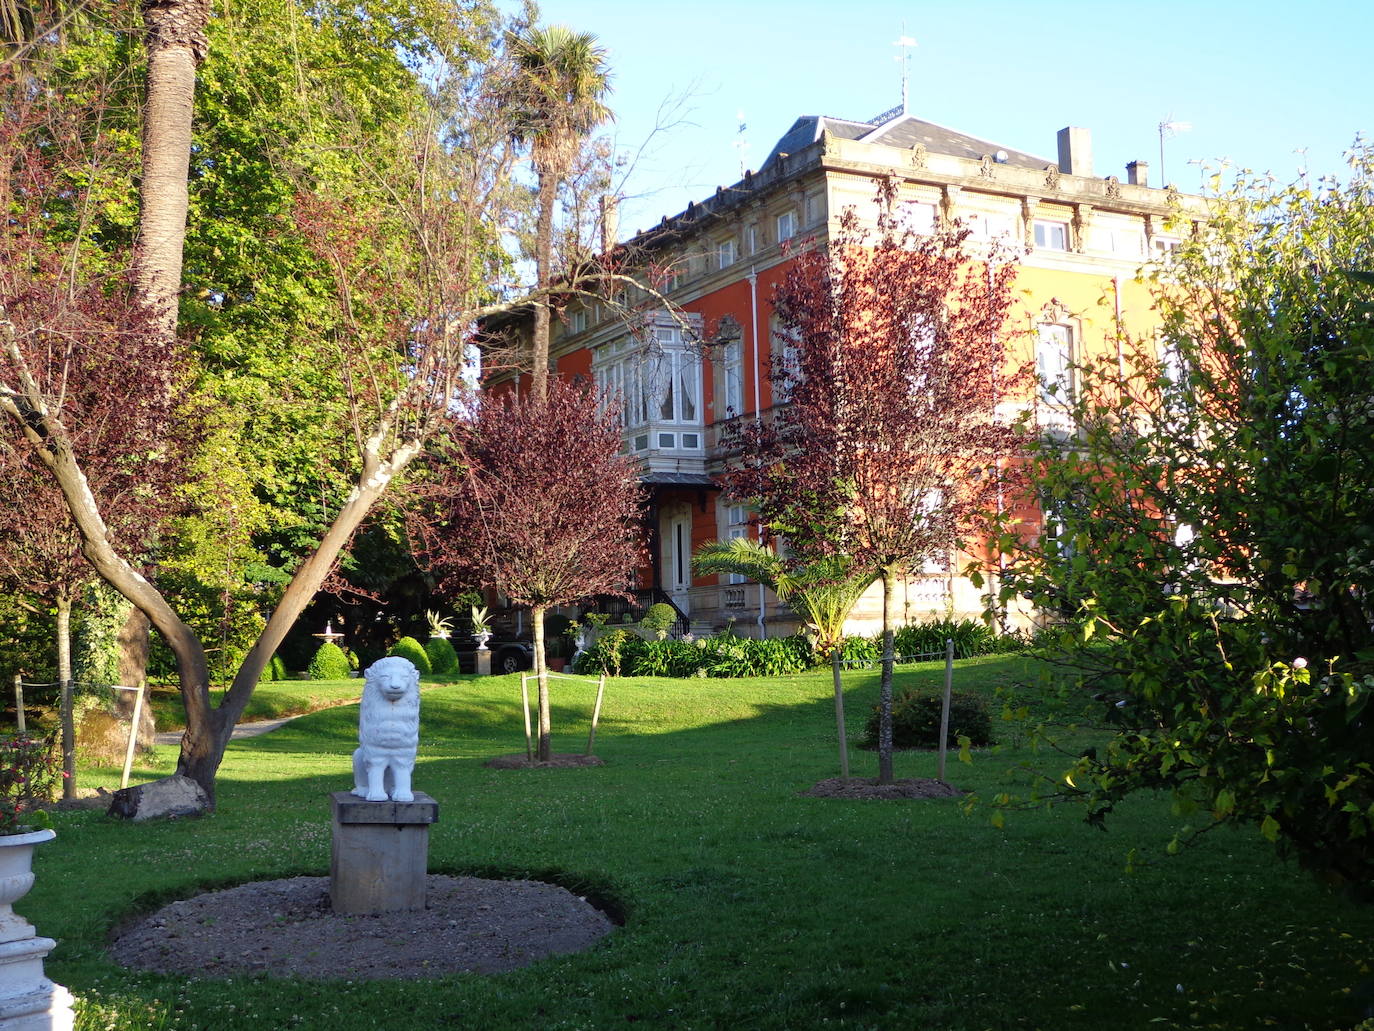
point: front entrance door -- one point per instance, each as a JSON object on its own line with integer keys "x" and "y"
{"x": 678, "y": 567}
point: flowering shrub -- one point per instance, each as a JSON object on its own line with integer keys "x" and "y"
{"x": 30, "y": 770}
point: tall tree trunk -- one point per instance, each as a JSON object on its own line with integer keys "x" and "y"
{"x": 176, "y": 43}
{"x": 839, "y": 709}
{"x": 64, "y": 679}
{"x": 543, "y": 273}
{"x": 541, "y": 668}
{"x": 885, "y": 689}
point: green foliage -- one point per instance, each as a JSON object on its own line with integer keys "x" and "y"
{"x": 409, "y": 648}
{"x": 30, "y": 771}
{"x": 95, "y": 630}
{"x": 970, "y": 636}
{"x": 329, "y": 663}
{"x": 1217, "y": 545}
{"x": 614, "y": 652}
{"x": 619, "y": 653}
{"x": 916, "y": 720}
{"x": 856, "y": 651}
{"x": 278, "y": 668}
{"x": 659, "y": 619}
{"x": 442, "y": 657}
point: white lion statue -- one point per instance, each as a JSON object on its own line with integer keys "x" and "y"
{"x": 388, "y": 731}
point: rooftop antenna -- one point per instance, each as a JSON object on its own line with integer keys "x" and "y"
{"x": 1168, "y": 128}
{"x": 741, "y": 143}
{"x": 904, "y": 59}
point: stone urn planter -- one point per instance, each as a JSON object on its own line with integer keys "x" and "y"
{"x": 28, "y": 1000}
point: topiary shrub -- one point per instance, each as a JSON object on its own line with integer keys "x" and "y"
{"x": 409, "y": 648}
{"x": 916, "y": 720}
{"x": 442, "y": 657}
{"x": 278, "y": 668}
{"x": 329, "y": 663}
{"x": 659, "y": 619}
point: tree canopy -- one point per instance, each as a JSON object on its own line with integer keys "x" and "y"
{"x": 1217, "y": 531}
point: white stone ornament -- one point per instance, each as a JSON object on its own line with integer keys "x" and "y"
{"x": 388, "y": 731}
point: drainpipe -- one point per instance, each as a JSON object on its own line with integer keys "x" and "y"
{"x": 1120, "y": 354}
{"x": 758, "y": 394}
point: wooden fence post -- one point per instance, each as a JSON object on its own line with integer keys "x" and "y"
{"x": 596, "y": 712}
{"x": 525, "y": 698}
{"x": 944, "y": 709}
{"x": 133, "y": 734}
{"x": 19, "y": 702}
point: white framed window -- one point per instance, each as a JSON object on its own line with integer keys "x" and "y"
{"x": 918, "y": 216}
{"x": 1163, "y": 249}
{"x": 787, "y": 226}
{"x": 732, "y": 379}
{"x": 1053, "y": 363}
{"x": 1051, "y": 236}
{"x": 1054, "y": 529}
{"x": 751, "y": 239}
{"x": 736, "y": 526}
{"x": 990, "y": 226}
{"x": 577, "y": 321}
{"x": 727, "y": 253}
{"x": 1126, "y": 243}
{"x": 786, "y": 361}
{"x": 657, "y": 379}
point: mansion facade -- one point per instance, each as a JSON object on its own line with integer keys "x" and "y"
{"x": 686, "y": 376}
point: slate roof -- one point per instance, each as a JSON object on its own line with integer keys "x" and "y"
{"x": 897, "y": 130}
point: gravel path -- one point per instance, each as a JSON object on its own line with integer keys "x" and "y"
{"x": 285, "y": 928}
{"x": 173, "y": 737}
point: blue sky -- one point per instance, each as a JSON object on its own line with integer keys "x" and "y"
{"x": 1258, "y": 81}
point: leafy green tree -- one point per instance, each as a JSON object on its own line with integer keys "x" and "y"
{"x": 822, "y": 592}
{"x": 1216, "y": 531}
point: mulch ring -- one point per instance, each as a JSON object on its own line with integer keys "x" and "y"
{"x": 559, "y": 761}
{"x": 859, "y": 787}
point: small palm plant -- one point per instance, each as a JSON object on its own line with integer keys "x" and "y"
{"x": 822, "y": 592}
{"x": 439, "y": 626}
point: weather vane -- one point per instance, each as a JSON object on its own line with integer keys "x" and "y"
{"x": 741, "y": 142}
{"x": 904, "y": 59}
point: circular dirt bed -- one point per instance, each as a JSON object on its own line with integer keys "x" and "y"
{"x": 285, "y": 928}
{"x": 558, "y": 761}
{"x": 857, "y": 787}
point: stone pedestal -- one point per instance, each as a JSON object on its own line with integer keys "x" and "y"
{"x": 380, "y": 853}
{"x": 484, "y": 662}
{"x": 28, "y": 1000}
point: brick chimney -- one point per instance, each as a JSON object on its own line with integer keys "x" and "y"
{"x": 1075, "y": 151}
{"x": 610, "y": 222}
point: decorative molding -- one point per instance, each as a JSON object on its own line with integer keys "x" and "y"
{"x": 949, "y": 198}
{"x": 1028, "y": 206}
{"x": 1113, "y": 186}
{"x": 919, "y": 156}
{"x": 987, "y": 168}
{"x": 1052, "y": 177}
{"x": 1082, "y": 215}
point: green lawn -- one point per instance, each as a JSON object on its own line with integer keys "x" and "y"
{"x": 745, "y": 905}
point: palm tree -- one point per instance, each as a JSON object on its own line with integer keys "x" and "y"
{"x": 822, "y": 592}
{"x": 562, "y": 78}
